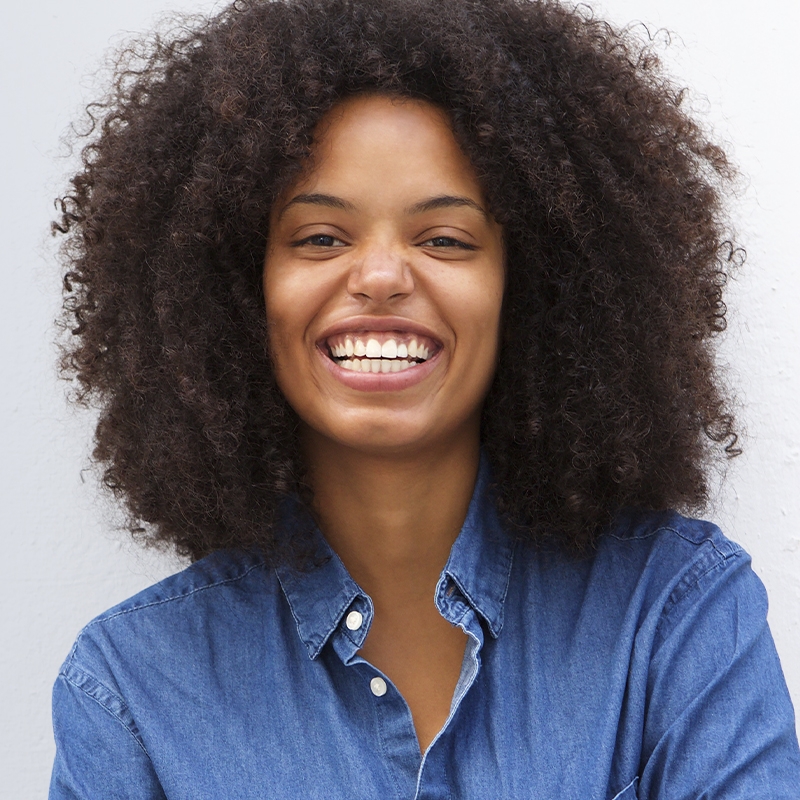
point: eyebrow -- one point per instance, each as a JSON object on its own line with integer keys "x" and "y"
{"x": 445, "y": 201}
{"x": 431, "y": 204}
{"x": 318, "y": 200}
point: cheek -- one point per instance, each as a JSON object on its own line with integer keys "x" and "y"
{"x": 282, "y": 323}
{"x": 286, "y": 303}
{"x": 479, "y": 304}
{"x": 481, "y": 317}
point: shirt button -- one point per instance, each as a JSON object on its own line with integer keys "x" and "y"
{"x": 378, "y": 687}
{"x": 354, "y": 620}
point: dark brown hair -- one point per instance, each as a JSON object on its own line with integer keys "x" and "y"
{"x": 606, "y": 393}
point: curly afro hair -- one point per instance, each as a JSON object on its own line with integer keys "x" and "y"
{"x": 606, "y": 393}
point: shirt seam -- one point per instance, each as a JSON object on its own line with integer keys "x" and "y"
{"x": 377, "y": 711}
{"x": 122, "y": 612}
{"x": 102, "y": 705}
{"x": 673, "y": 601}
{"x": 734, "y": 549}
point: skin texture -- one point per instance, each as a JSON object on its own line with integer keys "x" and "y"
{"x": 392, "y": 470}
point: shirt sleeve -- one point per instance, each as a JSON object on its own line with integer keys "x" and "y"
{"x": 99, "y": 753}
{"x": 719, "y": 723}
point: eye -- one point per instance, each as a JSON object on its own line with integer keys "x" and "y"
{"x": 319, "y": 240}
{"x": 448, "y": 241}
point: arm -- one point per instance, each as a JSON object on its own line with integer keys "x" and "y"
{"x": 719, "y": 723}
{"x": 99, "y": 753}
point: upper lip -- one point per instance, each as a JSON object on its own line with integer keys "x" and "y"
{"x": 363, "y": 324}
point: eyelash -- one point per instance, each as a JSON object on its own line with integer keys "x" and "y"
{"x": 309, "y": 240}
{"x": 453, "y": 242}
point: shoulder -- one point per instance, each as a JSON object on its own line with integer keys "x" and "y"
{"x": 665, "y": 547}
{"x": 670, "y": 556}
{"x": 198, "y": 608}
{"x": 225, "y": 573}
{"x": 648, "y": 571}
{"x": 679, "y": 565}
{"x": 659, "y": 547}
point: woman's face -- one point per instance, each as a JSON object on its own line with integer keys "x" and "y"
{"x": 383, "y": 281}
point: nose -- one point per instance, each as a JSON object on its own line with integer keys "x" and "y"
{"x": 381, "y": 274}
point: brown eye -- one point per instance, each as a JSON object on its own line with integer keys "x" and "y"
{"x": 448, "y": 241}
{"x": 320, "y": 240}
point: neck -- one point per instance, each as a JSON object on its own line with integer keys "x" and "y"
{"x": 393, "y": 519}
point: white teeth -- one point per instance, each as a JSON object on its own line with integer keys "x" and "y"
{"x": 376, "y": 365}
{"x": 369, "y": 355}
{"x": 389, "y": 349}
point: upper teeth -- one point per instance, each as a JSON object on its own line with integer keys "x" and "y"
{"x": 372, "y": 348}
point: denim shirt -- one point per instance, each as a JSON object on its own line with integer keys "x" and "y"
{"x": 646, "y": 670}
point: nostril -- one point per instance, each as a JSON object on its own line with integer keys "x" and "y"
{"x": 388, "y": 279}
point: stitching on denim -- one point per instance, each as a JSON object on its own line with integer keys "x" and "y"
{"x": 702, "y": 541}
{"x": 499, "y": 616}
{"x": 464, "y": 614}
{"x": 337, "y": 618}
{"x": 505, "y": 589}
{"x": 102, "y": 619}
{"x": 470, "y": 599}
{"x": 104, "y": 706}
{"x": 622, "y": 791}
{"x": 735, "y": 551}
{"x": 672, "y": 603}
{"x": 382, "y": 740}
{"x": 291, "y": 611}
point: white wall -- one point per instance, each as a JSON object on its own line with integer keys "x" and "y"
{"x": 62, "y": 560}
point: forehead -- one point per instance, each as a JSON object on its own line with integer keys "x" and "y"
{"x": 384, "y": 141}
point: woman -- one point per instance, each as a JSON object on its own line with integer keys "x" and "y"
{"x": 398, "y": 302}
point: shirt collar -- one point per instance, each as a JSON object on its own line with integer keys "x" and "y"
{"x": 481, "y": 557}
{"x": 479, "y": 565}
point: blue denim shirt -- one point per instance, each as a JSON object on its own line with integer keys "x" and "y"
{"x": 646, "y": 670}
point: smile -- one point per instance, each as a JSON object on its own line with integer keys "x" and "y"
{"x": 380, "y": 351}
{"x": 381, "y": 354}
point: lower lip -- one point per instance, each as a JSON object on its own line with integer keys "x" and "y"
{"x": 380, "y": 381}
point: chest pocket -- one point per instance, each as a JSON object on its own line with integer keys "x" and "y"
{"x": 629, "y": 792}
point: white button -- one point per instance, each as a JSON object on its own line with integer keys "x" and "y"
{"x": 354, "y": 620}
{"x": 378, "y": 687}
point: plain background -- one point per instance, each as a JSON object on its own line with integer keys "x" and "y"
{"x": 63, "y": 559}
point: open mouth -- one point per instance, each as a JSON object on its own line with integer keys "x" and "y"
{"x": 379, "y": 351}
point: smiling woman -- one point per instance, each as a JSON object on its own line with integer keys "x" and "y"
{"x": 401, "y": 313}
{"x": 415, "y": 261}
